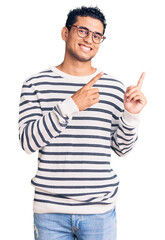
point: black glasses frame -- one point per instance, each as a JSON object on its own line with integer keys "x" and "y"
{"x": 93, "y": 33}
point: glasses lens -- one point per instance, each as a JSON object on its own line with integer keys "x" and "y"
{"x": 97, "y": 38}
{"x": 82, "y": 32}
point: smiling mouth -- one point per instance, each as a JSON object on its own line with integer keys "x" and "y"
{"x": 85, "y": 48}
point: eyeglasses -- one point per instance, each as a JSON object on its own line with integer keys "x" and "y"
{"x": 83, "y": 32}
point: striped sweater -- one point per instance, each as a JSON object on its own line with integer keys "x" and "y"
{"x": 74, "y": 172}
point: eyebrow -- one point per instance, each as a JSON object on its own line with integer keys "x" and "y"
{"x": 90, "y": 30}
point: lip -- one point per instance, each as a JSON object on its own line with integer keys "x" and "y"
{"x": 80, "y": 44}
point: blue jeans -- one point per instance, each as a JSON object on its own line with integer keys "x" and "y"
{"x": 51, "y": 226}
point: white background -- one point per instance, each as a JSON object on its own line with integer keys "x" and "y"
{"x": 31, "y": 42}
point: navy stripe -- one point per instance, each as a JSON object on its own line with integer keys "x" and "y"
{"x": 30, "y": 115}
{"x": 129, "y": 129}
{"x": 91, "y": 110}
{"x": 42, "y": 137}
{"x": 111, "y": 104}
{"x": 32, "y": 133}
{"x": 30, "y": 108}
{"x": 72, "y": 84}
{"x": 75, "y": 153}
{"x": 78, "y": 145}
{"x": 73, "y": 170}
{"x": 30, "y": 102}
{"x": 127, "y": 144}
{"x": 102, "y": 110}
{"x": 70, "y": 204}
{"x": 22, "y": 139}
{"x": 43, "y": 76}
{"x": 125, "y": 139}
{"x": 90, "y": 128}
{"x": 126, "y": 134}
{"x": 27, "y": 138}
{"x": 65, "y": 195}
{"x": 93, "y": 119}
{"x": 76, "y": 179}
{"x": 54, "y": 126}
{"x": 73, "y": 162}
{"x": 114, "y": 140}
{"x": 115, "y": 192}
{"x": 47, "y": 71}
{"x": 82, "y": 136}
{"x": 111, "y": 79}
{"x": 47, "y": 130}
{"x": 75, "y": 187}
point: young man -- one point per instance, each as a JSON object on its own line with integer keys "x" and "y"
{"x": 74, "y": 115}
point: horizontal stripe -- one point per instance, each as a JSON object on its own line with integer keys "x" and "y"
{"x": 43, "y": 76}
{"x": 64, "y": 195}
{"x": 75, "y": 179}
{"x": 69, "y": 204}
{"x": 74, "y": 187}
{"x": 48, "y": 71}
{"x": 29, "y": 116}
{"x": 73, "y": 170}
{"x": 75, "y": 153}
{"x": 77, "y": 145}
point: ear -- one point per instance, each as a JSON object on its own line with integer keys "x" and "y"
{"x": 64, "y": 33}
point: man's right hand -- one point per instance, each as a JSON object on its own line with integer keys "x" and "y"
{"x": 87, "y": 96}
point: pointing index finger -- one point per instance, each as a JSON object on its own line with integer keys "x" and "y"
{"x": 140, "y": 82}
{"x": 92, "y": 82}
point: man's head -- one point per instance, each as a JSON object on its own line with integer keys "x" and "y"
{"x": 83, "y": 33}
{"x": 93, "y": 12}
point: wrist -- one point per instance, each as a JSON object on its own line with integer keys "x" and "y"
{"x": 131, "y": 119}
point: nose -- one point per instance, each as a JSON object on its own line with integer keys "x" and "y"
{"x": 89, "y": 38}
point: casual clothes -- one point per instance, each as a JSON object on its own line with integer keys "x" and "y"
{"x": 74, "y": 173}
{"x": 50, "y": 226}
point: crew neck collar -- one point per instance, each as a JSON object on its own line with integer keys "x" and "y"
{"x": 68, "y": 76}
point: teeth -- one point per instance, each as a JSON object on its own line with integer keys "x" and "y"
{"x": 85, "y": 48}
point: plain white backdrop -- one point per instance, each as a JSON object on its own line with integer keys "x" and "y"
{"x": 31, "y": 42}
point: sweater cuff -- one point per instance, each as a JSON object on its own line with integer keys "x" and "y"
{"x": 130, "y": 118}
{"x": 68, "y": 107}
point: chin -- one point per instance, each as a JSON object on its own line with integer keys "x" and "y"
{"x": 83, "y": 58}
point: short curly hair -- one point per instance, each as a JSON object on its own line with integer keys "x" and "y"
{"x": 93, "y": 12}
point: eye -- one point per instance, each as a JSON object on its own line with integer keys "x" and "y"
{"x": 83, "y": 31}
{"x": 97, "y": 36}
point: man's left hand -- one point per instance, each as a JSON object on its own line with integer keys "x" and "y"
{"x": 134, "y": 99}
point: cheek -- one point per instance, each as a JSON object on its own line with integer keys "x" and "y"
{"x": 96, "y": 49}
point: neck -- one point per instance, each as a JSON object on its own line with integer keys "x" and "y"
{"x": 76, "y": 68}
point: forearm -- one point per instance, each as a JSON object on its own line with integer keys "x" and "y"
{"x": 126, "y": 134}
{"x": 35, "y": 134}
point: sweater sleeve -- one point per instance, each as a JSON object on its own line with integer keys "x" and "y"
{"x": 37, "y": 129}
{"x": 126, "y": 134}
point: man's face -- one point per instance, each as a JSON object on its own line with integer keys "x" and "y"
{"x": 83, "y": 49}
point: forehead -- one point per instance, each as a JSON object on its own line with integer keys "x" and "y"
{"x": 91, "y": 23}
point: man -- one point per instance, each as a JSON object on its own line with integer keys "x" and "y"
{"x": 74, "y": 115}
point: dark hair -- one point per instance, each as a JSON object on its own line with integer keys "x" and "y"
{"x": 93, "y": 12}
